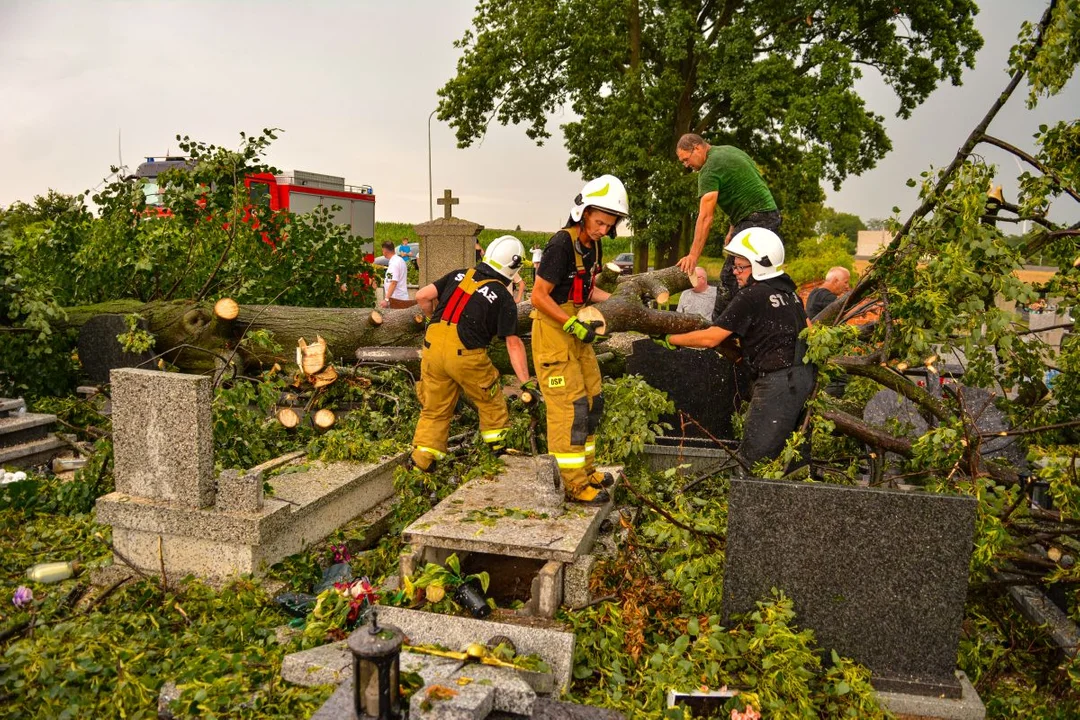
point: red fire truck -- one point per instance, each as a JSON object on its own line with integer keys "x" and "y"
{"x": 297, "y": 192}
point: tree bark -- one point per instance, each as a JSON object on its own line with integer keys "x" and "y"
{"x": 190, "y": 336}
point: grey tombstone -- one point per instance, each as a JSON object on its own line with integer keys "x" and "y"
{"x": 100, "y": 351}
{"x": 979, "y": 406}
{"x": 699, "y": 382}
{"x": 880, "y": 576}
{"x": 163, "y": 436}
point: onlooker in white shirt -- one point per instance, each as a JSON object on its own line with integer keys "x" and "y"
{"x": 395, "y": 285}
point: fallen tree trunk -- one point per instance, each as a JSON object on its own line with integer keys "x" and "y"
{"x": 191, "y": 336}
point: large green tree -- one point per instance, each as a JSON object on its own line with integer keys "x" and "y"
{"x": 775, "y": 77}
{"x": 846, "y": 225}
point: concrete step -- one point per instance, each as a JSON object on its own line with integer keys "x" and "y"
{"x": 33, "y": 452}
{"x": 18, "y": 429}
{"x": 10, "y": 406}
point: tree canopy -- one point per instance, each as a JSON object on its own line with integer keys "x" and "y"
{"x": 846, "y": 225}
{"x": 775, "y": 78}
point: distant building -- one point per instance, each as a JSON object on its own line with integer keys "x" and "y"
{"x": 870, "y": 241}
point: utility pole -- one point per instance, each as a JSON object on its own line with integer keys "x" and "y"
{"x": 430, "y": 197}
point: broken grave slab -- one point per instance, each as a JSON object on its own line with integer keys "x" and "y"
{"x": 332, "y": 663}
{"x": 514, "y": 514}
{"x": 472, "y": 701}
{"x": 555, "y": 647}
{"x": 512, "y": 693}
{"x": 324, "y": 665}
{"x": 224, "y": 540}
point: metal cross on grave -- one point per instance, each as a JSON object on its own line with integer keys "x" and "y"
{"x": 446, "y": 200}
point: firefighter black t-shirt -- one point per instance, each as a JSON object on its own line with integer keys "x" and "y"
{"x": 558, "y": 267}
{"x": 768, "y": 317}
{"x": 490, "y": 311}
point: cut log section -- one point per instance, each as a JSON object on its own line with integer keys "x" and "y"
{"x": 311, "y": 358}
{"x": 376, "y": 318}
{"x": 288, "y": 418}
{"x": 327, "y": 376}
{"x": 226, "y": 309}
{"x": 323, "y": 419}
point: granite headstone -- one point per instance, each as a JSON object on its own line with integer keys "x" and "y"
{"x": 699, "y": 382}
{"x": 880, "y": 576}
{"x": 163, "y": 436}
{"x": 888, "y": 407}
{"x": 100, "y": 351}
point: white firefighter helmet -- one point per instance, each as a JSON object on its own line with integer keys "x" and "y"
{"x": 505, "y": 255}
{"x": 763, "y": 248}
{"x": 605, "y": 193}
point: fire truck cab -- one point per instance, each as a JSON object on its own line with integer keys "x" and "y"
{"x": 297, "y": 192}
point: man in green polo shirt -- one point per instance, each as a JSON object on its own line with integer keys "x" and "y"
{"x": 728, "y": 179}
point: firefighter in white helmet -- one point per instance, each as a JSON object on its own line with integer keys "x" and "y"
{"x": 468, "y": 308}
{"x": 767, "y": 316}
{"x": 563, "y": 356}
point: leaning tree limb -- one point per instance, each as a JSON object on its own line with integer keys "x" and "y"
{"x": 884, "y": 261}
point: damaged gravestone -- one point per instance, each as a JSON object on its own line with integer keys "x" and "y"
{"x": 520, "y": 515}
{"x": 455, "y": 688}
{"x": 682, "y": 374}
{"x": 886, "y": 409}
{"x": 171, "y": 514}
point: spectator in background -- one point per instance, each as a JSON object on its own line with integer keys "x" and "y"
{"x": 701, "y": 299}
{"x": 404, "y": 250}
{"x": 395, "y": 284}
{"x": 479, "y": 252}
{"x": 837, "y": 282}
{"x": 537, "y": 253}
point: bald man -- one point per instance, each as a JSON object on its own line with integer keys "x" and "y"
{"x": 837, "y": 282}
{"x": 701, "y": 299}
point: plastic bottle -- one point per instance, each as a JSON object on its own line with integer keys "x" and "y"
{"x": 53, "y": 572}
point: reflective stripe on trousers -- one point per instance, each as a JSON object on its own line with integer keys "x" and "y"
{"x": 569, "y": 378}
{"x": 447, "y": 369}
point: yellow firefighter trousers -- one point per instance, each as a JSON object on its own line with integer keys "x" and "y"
{"x": 446, "y": 370}
{"x": 569, "y": 378}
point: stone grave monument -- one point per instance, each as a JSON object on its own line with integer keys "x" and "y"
{"x": 100, "y": 351}
{"x": 682, "y": 374}
{"x": 171, "y": 512}
{"x": 446, "y": 243}
{"x": 25, "y": 437}
{"x": 480, "y": 691}
{"x": 879, "y": 575}
{"x": 518, "y": 515}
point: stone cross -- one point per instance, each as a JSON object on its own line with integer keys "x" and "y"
{"x": 447, "y": 201}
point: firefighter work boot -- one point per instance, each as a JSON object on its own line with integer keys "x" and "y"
{"x": 601, "y": 479}
{"x": 588, "y": 495}
{"x": 411, "y": 464}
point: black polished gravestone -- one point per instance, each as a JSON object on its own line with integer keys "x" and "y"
{"x": 699, "y": 382}
{"x": 879, "y": 575}
{"x": 100, "y": 351}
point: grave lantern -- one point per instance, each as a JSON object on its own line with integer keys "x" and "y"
{"x": 376, "y": 655}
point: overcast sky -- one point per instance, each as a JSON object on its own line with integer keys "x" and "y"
{"x": 352, "y": 85}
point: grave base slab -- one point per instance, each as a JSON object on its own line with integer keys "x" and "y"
{"x": 923, "y": 707}
{"x": 305, "y": 507}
